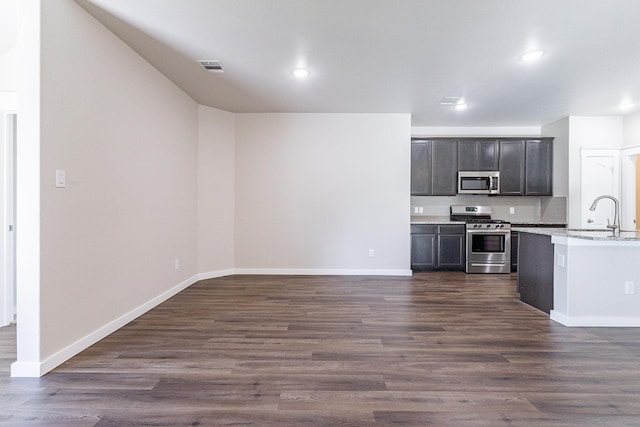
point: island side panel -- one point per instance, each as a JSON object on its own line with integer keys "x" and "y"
{"x": 535, "y": 270}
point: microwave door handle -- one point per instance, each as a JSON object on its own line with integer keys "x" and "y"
{"x": 490, "y": 183}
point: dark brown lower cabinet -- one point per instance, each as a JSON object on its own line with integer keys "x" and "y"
{"x": 423, "y": 251}
{"x": 437, "y": 247}
{"x": 535, "y": 270}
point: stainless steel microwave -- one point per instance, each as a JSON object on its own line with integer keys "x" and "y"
{"x": 478, "y": 182}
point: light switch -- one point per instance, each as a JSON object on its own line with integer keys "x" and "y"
{"x": 61, "y": 179}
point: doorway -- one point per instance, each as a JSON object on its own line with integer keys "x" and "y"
{"x": 599, "y": 175}
{"x": 7, "y": 220}
{"x": 635, "y": 221}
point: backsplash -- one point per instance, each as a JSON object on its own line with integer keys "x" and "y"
{"x": 526, "y": 209}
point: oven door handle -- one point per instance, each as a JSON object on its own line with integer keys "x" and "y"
{"x": 501, "y": 232}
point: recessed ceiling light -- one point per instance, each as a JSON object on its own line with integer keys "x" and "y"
{"x": 532, "y": 55}
{"x": 627, "y": 106}
{"x": 300, "y": 72}
{"x": 460, "y": 105}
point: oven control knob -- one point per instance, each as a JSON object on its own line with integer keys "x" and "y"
{"x": 488, "y": 225}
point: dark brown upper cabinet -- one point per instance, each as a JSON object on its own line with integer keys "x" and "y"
{"x": 512, "y": 173}
{"x": 526, "y": 167}
{"x": 478, "y": 155}
{"x": 525, "y": 164}
{"x": 539, "y": 167}
{"x": 434, "y": 167}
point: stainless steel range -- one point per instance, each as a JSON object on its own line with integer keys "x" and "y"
{"x": 488, "y": 240}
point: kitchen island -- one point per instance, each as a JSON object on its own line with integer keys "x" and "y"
{"x": 594, "y": 276}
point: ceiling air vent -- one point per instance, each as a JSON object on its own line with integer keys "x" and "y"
{"x": 212, "y": 65}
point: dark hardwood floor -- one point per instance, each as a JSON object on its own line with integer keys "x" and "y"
{"x": 434, "y": 349}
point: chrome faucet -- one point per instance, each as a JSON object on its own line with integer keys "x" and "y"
{"x": 616, "y": 217}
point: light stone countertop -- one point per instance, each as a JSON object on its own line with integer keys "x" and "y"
{"x": 442, "y": 219}
{"x": 600, "y": 235}
{"x": 537, "y": 224}
{"x": 426, "y": 219}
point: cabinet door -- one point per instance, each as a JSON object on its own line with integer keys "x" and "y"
{"x": 420, "y": 168}
{"x": 474, "y": 155}
{"x": 451, "y": 249}
{"x": 538, "y": 168}
{"x": 487, "y": 155}
{"x": 467, "y": 155}
{"x": 512, "y": 168}
{"x": 444, "y": 161}
{"x": 423, "y": 251}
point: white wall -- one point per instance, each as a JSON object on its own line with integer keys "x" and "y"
{"x": 479, "y": 131}
{"x": 128, "y": 140}
{"x": 559, "y": 130}
{"x": 315, "y": 192}
{"x": 631, "y": 130}
{"x": 8, "y": 80}
{"x": 216, "y": 191}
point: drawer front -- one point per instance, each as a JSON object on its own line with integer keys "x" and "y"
{"x": 451, "y": 230}
{"x": 424, "y": 229}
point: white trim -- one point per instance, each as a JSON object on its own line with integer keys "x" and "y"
{"x": 25, "y": 369}
{"x": 37, "y": 369}
{"x": 28, "y": 163}
{"x": 595, "y": 321}
{"x": 215, "y": 274}
{"x": 8, "y": 101}
{"x": 321, "y": 272}
{"x": 428, "y": 131}
{"x": 628, "y": 190}
{"x": 632, "y": 150}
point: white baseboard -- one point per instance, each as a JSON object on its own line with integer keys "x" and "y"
{"x": 37, "y": 369}
{"x": 215, "y": 274}
{"x": 595, "y": 321}
{"x": 321, "y": 272}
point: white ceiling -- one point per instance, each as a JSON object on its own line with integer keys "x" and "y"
{"x": 393, "y": 56}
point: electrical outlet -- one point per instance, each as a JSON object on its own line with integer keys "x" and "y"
{"x": 176, "y": 264}
{"x": 371, "y": 252}
{"x": 416, "y": 209}
{"x": 512, "y": 210}
{"x": 561, "y": 260}
{"x": 421, "y": 209}
{"x": 629, "y": 288}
